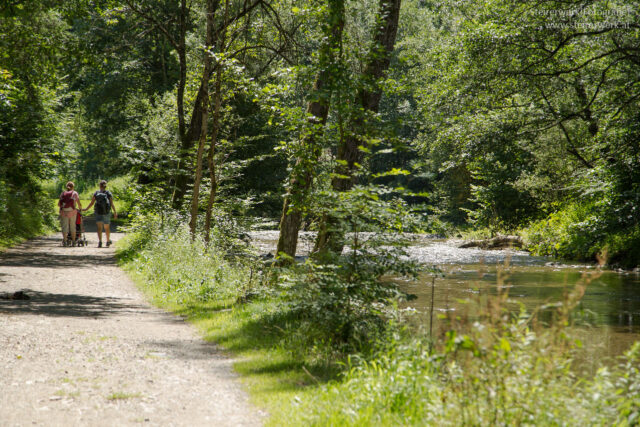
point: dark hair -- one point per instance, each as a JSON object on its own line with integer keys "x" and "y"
{"x": 103, "y": 183}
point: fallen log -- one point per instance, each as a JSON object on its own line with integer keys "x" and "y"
{"x": 498, "y": 242}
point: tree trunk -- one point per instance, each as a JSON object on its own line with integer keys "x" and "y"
{"x": 217, "y": 108}
{"x": 193, "y": 132}
{"x": 368, "y": 98}
{"x": 317, "y": 111}
{"x": 202, "y": 107}
{"x": 183, "y": 157}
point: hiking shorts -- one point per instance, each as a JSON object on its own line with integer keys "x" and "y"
{"x": 105, "y": 219}
{"x": 68, "y": 224}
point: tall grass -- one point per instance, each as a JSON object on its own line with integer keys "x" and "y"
{"x": 179, "y": 269}
{"x": 513, "y": 383}
{"x": 500, "y": 370}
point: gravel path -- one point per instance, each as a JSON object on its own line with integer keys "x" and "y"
{"x": 87, "y": 349}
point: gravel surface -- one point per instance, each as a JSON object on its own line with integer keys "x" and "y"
{"x": 87, "y": 349}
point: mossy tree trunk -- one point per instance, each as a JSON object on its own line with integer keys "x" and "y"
{"x": 349, "y": 155}
{"x": 303, "y": 172}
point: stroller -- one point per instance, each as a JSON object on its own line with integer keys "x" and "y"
{"x": 81, "y": 238}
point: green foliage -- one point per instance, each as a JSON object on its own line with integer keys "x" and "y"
{"x": 588, "y": 231}
{"x": 513, "y": 383}
{"x": 519, "y": 104}
{"x": 496, "y": 167}
{"x": 501, "y": 371}
{"x": 23, "y": 214}
{"x": 345, "y": 300}
{"x": 572, "y": 232}
{"x": 183, "y": 270}
{"x": 29, "y": 51}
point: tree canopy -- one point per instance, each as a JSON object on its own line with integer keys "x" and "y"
{"x": 497, "y": 115}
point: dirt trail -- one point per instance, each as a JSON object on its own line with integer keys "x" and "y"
{"x": 87, "y": 349}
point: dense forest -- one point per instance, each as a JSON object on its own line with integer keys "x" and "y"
{"x": 503, "y": 116}
{"x": 382, "y": 117}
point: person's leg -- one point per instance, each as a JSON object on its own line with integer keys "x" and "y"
{"x": 99, "y": 224}
{"x": 63, "y": 222}
{"x": 107, "y": 230}
{"x": 72, "y": 227}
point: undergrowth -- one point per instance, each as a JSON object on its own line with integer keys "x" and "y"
{"x": 587, "y": 231}
{"x": 494, "y": 368}
{"x": 24, "y": 214}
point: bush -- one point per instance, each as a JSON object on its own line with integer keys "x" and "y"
{"x": 24, "y": 213}
{"x": 586, "y": 231}
{"x": 572, "y": 232}
{"x": 623, "y": 248}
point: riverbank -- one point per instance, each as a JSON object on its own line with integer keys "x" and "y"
{"x": 588, "y": 231}
{"x": 500, "y": 369}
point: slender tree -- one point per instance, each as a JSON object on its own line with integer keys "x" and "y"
{"x": 317, "y": 111}
{"x": 350, "y": 156}
{"x": 203, "y": 98}
{"x": 217, "y": 106}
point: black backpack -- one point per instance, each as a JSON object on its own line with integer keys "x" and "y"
{"x": 103, "y": 205}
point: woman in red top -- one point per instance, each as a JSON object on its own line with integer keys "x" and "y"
{"x": 67, "y": 204}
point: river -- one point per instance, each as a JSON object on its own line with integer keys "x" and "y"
{"x": 608, "y": 312}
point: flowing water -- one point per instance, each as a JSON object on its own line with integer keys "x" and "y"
{"x": 607, "y": 316}
{"x": 608, "y": 313}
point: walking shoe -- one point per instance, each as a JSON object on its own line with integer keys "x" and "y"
{"x": 100, "y": 244}
{"x": 73, "y": 243}
{"x": 109, "y": 243}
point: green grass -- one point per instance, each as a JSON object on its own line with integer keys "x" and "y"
{"x": 499, "y": 371}
{"x": 120, "y": 395}
{"x": 253, "y": 333}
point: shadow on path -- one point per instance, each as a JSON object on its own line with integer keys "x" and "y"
{"x": 46, "y": 252}
{"x": 75, "y": 258}
{"x": 185, "y": 349}
{"x": 70, "y": 305}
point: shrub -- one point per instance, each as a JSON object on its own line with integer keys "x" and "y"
{"x": 586, "y": 231}
{"x": 24, "y": 212}
{"x": 572, "y": 232}
{"x": 346, "y": 299}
